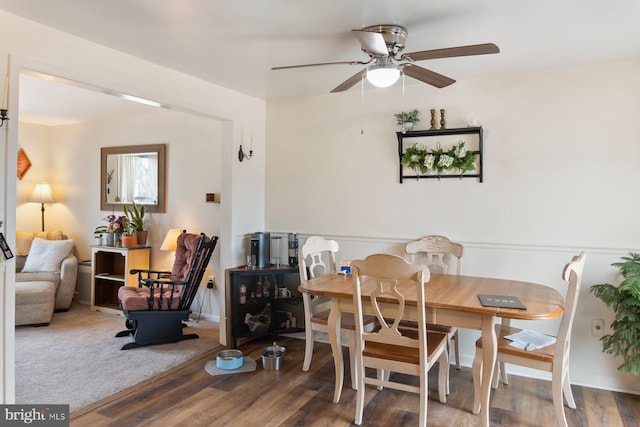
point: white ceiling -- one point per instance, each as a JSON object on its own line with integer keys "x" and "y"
{"x": 235, "y": 43}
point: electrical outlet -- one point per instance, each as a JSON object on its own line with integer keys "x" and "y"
{"x": 211, "y": 283}
{"x": 597, "y": 327}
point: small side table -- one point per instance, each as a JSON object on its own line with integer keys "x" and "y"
{"x": 110, "y": 270}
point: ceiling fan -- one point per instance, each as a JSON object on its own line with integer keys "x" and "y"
{"x": 384, "y": 44}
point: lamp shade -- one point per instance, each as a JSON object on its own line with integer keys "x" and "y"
{"x": 42, "y": 194}
{"x": 383, "y": 75}
{"x": 170, "y": 241}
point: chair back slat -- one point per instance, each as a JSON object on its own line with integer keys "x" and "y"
{"x": 321, "y": 253}
{"x": 193, "y": 253}
{"x": 435, "y": 249}
{"x": 199, "y": 263}
{"x": 572, "y": 273}
{"x": 380, "y": 275}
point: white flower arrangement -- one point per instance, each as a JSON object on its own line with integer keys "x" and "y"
{"x": 422, "y": 159}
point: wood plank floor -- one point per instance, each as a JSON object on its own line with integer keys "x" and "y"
{"x": 189, "y": 396}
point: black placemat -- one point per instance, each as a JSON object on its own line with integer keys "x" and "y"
{"x": 503, "y": 301}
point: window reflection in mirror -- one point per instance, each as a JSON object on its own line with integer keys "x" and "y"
{"x": 133, "y": 174}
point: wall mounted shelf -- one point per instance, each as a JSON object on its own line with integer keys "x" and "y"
{"x": 427, "y": 137}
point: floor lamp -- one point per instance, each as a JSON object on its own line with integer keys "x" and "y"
{"x": 42, "y": 194}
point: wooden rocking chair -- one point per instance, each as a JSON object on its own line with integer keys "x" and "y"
{"x": 156, "y": 308}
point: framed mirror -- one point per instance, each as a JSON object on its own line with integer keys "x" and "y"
{"x": 134, "y": 173}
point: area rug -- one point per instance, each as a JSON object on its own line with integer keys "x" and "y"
{"x": 77, "y": 360}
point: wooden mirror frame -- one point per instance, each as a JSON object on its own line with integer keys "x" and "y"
{"x": 157, "y": 148}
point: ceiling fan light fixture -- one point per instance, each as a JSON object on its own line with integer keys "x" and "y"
{"x": 383, "y": 75}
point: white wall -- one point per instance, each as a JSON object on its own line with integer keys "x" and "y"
{"x": 560, "y": 162}
{"x": 36, "y": 142}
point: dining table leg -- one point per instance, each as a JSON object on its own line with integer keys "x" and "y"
{"x": 489, "y": 356}
{"x": 333, "y": 326}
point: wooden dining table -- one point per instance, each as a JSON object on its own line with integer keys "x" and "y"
{"x": 450, "y": 300}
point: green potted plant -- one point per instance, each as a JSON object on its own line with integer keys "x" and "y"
{"x": 625, "y": 300}
{"x": 128, "y": 237}
{"x": 98, "y": 232}
{"x": 415, "y": 159}
{"x": 135, "y": 215}
{"x": 407, "y": 119}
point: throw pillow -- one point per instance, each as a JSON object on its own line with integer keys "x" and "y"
{"x": 47, "y": 255}
{"x": 23, "y": 243}
{"x": 24, "y": 239}
{"x": 49, "y": 235}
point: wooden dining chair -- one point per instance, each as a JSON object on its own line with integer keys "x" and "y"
{"x": 432, "y": 251}
{"x": 378, "y": 287}
{"x": 553, "y": 358}
{"x": 316, "y": 257}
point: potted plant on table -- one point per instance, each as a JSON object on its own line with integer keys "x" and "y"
{"x": 98, "y": 233}
{"x": 625, "y": 300}
{"x": 136, "y": 218}
{"x": 115, "y": 228}
{"x": 407, "y": 119}
{"x": 128, "y": 233}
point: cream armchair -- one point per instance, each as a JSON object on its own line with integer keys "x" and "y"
{"x": 64, "y": 278}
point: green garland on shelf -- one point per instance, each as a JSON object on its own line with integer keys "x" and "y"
{"x": 422, "y": 159}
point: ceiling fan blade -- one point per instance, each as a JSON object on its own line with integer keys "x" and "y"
{"x": 372, "y": 42}
{"x": 350, "y": 82}
{"x": 427, "y": 76}
{"x": 476, "y": 49}
{"x": 322, "y": 63}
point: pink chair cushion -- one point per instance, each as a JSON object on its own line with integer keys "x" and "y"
{"x": 136, "y": 299}
{"x": 187, "y": 246}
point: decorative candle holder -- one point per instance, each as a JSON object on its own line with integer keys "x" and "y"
{"x": 442, "y": 121}
{"x": 433, "y": 119}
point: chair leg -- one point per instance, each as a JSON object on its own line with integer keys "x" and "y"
{"x": 381, "y": 375}
{"x": 352, "y": 360}
{"x": 424, "y": 392}
{"x": 495, "y": 380}
{"x": 456, "y": 349}
{"x": 499, "y": 374}
{"x": 359, "y": 395}
{"x": 443, "y": 377}
{"x": 556, "y": 392}
{"x": 131, "y": 345}
{"x": 503, "y": 373}
{"x": 131, "y": 329}
{"x": 568, "y": 394}
{"x": 308, "y": 349}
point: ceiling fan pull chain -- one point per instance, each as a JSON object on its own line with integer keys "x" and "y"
{"x": 403, "y": 129}
{"x": 362, "y": 105}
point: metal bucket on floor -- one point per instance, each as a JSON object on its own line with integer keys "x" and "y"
{"x": 272, "y": 357}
